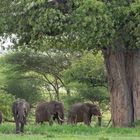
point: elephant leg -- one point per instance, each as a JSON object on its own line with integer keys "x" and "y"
{"x": 86, "y": 119}
{"x": 25, "y": 122}
{"x": 17, "y": 124}
{"x": 55, "y": 117}
{"x": 73, "y": 120}
{"x": 50, "y": 120}
{"x": 69, "y": 121}
{"x": 22, "y": 127}
{"x": 59, "y": 122}
{"x": 90, "y": 119}
{"x": 17, "y": 127}
{"x": 99, "y": 121}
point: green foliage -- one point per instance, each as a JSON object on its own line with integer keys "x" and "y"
{"x": 18, "y": 83}
{"x": 89, "y": 68}
{"x": 93, "y": 25}
{"x": 103, "y": 138}
{"x": 6, "y": 101}
{"x": 96, "y": 94}
{"x": 5, "y": 15}
{"x": 26, "y": 89}
{"x": 37, "y": 72}
{"x": 50, "y": 62}
{"x": 69, "y": 100}
{"x": 90, "y": 24}
{"x": 87, "y": 77}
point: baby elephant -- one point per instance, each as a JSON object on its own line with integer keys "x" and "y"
{"x": 83, "y": 112}
{"x": 20, "y": 111}
{"x": 0, "y": 117}
{"x": 49, "y": 111}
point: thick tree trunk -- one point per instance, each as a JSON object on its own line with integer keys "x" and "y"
{"x": 123, "y": 68}
{"x": 136, "y": 85}
{"x": 120, "y": 94}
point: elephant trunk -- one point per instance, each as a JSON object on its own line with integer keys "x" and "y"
{"x": 22, "y": 116}
{"x": 0, "y": 117}
{"x": 22, "y": 119}
{"x": 99, "y": 120}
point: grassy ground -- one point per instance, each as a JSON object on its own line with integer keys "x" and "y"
{"x": 67, "y": 132}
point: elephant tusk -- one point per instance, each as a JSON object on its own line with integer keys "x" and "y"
{"x": 60, "y": 119}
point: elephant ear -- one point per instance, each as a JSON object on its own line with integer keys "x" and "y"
{"x": 96, "y": 110}
{"x": 15, "y": 108}
{"x": 57, "y": 108}
{"x": 85, "y": 108}
{"x": 16, "y": 112}
{"x": 26, "y": 111}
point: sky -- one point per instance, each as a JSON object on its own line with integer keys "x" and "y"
{"x": 5, "y": 44}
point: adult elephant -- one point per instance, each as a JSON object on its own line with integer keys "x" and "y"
{"x": 49, "y": 111}
{"x": 83, "y": 112}
{"x": 20, "y": 109}
{"x": 1, "y": 117}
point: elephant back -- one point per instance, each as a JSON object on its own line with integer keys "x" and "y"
{"x": 40, "y": 112}
{"x": 75, "y": 107}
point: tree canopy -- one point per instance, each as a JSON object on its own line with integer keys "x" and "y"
{"x": 43, "y": 68}
{"x": 42, "y": 24}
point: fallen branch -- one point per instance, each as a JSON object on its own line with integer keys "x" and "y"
{"x": 7, "y": 120}
{"x": 108, "y": 123}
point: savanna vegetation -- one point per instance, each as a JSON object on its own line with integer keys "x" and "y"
{"x": 71, "y": 51}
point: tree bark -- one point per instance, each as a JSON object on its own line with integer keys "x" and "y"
{"x": 123, "y": 68}
{"x": 56, "y": 88}
{"x": 136, "y": 85}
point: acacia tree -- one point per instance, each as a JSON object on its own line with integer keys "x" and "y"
{"x": 110, "y": 26}
{"x": 18, "y": 84}
{"x": 46, "y": 68}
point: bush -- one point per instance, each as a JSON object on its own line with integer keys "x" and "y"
{"x": 6, "y": 101}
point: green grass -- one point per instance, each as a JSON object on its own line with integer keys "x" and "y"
{"x": 42, "y": 137}
{"x": 67, "y": 132}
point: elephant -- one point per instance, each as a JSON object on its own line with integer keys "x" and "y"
{"x": 83, "y": 112}
{"x": 49, "y": 111}
{"x": 1, "y": 117}
{"x": 20, "y": 110}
